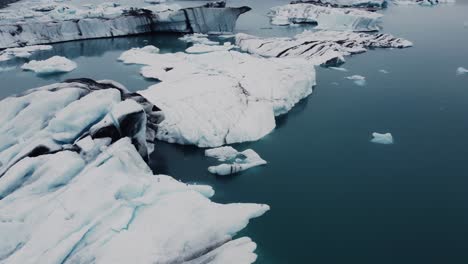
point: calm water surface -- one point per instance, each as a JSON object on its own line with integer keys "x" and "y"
{"x": 335, "y": 197}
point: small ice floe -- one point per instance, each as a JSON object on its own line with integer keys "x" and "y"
{"x": 461, "y": 71}
{"x": 385, "y": 139}
{"x": 384, "y": 71}
{"x": 339, "y": 69}
{"x": 202, "y": 48}
{"x": 235, "y": 161}
{"x": 23, "y": 52}
{"x": 198, "y": 38}
{"x": 56, "y": 64}
{"x": 357, "y": 79}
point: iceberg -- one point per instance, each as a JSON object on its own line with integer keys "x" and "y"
{"x": 220, "y": 97}
{"x": 319, "y": 47}
{"x": 25, "y": 24}
{"x": 23, "y": 52}
{"x": 325, "y": 17}
{"x": 198, "y": 38}
{"x": 423, "y": 2}
{"x": 385, "y": 139}
{"x": 55, "y": 64}
{"x": 238, "y": 161}
{"x": 202, "y": 48}
{"x": 461, "y": 71}
{"x": 75, "y": 187}
{"x": 357, "y": 79}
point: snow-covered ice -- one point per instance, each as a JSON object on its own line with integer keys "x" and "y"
{"x": 234, "y": 161}
{"x": 198, "y": 38}
{"x": 348, "y": 3}
{"x": 319, "y": 47}
{"x": 55, "y": 64}
{"x": 461, "y": 70}
{"x": 357, "y": 79}
{"x": 326, "y": 17}
{"x": 385, "y": 139}
{"x": 221, "y": 97}
{"x": 423, "y": 2}
{"x": 23, "y": 52}
{"x": 74, "y": 186}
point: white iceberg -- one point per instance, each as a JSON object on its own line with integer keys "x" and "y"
{"x": 357, "y": 79}
{"x": 385, "y": 139}
{"x": 23, "y": 52}
{"x": 55, "y": 64}
{"x": 221, "y": 97}
{"x": 238, "y": 161}
{"x": 319, "y": 47}
{"x": 326, "y": 17}
{"x": 74, "y": 186}
{"x": 461, "y": 71}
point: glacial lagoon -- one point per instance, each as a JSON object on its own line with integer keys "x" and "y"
{"x": 334, "y": 196}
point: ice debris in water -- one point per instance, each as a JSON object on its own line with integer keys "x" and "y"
{"x": 383, "y": 71}
{"x": 325, "y": 17}
{"x": 339, "y": 69}
{"x": 357, "y": 79}
{"x": 198, "y": 38}
{"x": 23, "y": 52}
{"x": 385, "y": 139}
{"x": 461, "y": 71}
{"x": 56, "y": 64}
{"x": 235, "y": 161}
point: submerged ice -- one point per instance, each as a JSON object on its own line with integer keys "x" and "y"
{"x": 385, "y": 139}
{"x": 75, "y": 188}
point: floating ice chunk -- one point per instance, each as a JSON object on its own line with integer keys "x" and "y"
{"x": 56, "y": 64}
{"x": 198, "y": 38}
{"x": 339, "y": 69}
{"x": 326, "y": 17}
{"x": 357, "y": 79}
{"x": 383, "y": 71}
{"x": 238, "y": 161}
{"x": 461, "y": 70}
{"x": 23, "y": 52}
{"x": 217, "y": 98}
{"x": 382, "y": 138}
{"x": 126, "y": 56}
{"x": 155, "y": 2}
{"x": 319, "y": 47}
{"x": 202, "y": 48}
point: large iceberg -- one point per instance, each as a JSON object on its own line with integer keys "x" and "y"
{"x": 319, "y": 47}
{"x": 326, "y": 17}
{"x": 75, "y": 188}
{"x": 27, "y": 24}
{"x": 221, "y": 97}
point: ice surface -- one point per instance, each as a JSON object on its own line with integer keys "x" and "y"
{"x": 221, "y": 97}
{"x": 74, "y": 187}
{"x": 371, "y": 4}
{"x": 23, "y": 52}
{"x": 235, "y": 161}
{"x": 319, "y": 47}
{"x": 461, "y": 70}
{"x": 203, "y": 48}
{"x": 55, "y": 64}
{"x": 423, "y": 2}
{"x": 385, "y": 139}
{"x": 198, "y": 38}
{"x": 326, "y": 17}
{"x": 357, "y": 79}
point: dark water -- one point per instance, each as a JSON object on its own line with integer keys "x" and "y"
{"x": 335, "y": 197}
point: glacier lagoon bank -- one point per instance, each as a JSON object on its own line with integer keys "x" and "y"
{"x": 329, "y": 201}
